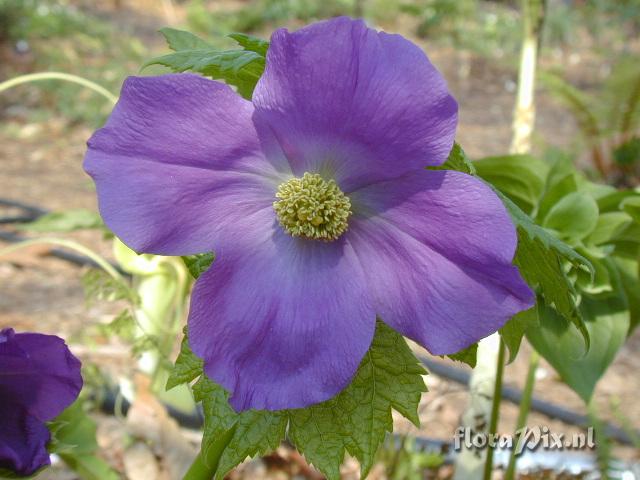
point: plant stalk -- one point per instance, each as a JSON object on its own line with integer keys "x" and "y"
{"x": 524, "y": 113}
{"x": 67, "y": 77}
{"x": 495, "y": 412}
{"x": 205, "y": 465}
{"x": 523, "y": 413}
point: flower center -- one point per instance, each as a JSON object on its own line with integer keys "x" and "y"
{"x": 312, "y": 207}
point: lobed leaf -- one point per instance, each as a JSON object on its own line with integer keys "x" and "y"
{"x": 355, "y": 421}
{"x": 241, "y": 68}
{"x": 188, "y": 366}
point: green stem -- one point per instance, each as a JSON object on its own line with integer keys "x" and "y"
{"x": 67, "y": 77}
{"x": 495, "y": 411}
{"x": 205, "y": 465}
{"x": 523, "y": 413}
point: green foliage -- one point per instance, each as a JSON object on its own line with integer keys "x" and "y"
{"x": 74, "y": 440}
{"x": 519, "y": 177}
{"x": 609, "y": 118}
{"x": 359, "y": 417}
{"x": 99, "y": 285}
{"x": 66, "y": 221}
{"x": 540, "y": 256}
{"x": 355, "y": 421}
{"x": 404, "y": 459}
{"x": 198, "y": 264}
{"x": 516, "y": 328}
{"x": 241, "y": 68}
{"x": 468, "y": 355}
{"x": 607, "y": 320}
{"x": 63, "y": 37}
{"x": 187, "y": 368}
{"x": 588, "y": 287}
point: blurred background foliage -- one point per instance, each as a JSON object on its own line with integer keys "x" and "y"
{"x": 107, "y": 40}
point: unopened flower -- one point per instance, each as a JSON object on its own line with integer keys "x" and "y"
{"x": 315, "y": 199}
{"x": 39, "y": 378}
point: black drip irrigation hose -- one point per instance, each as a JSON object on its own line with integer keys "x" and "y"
{"x": 32, "y": 213}
{"x": 195, "y": 419}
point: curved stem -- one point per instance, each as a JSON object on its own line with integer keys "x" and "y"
{"x": 523, "y": 413}
{"x": 205, "y": 465}
{"x": 495, "y": 412}
{"x": 67, "y": 77}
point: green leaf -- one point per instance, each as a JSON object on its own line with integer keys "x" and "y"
{"x": 251, "y": 43}
{"x": 198, "y": 264}
{"x": 241, "y": 68}
{"x": 630, "y": 280}
{"x": 187, "y": 368}
{"x": 540, "y": 257}
{"x": 74, "y": 440}
{"x": 354, "y": 421}
{"x": 519, "y": 177}
{"x": 99, "y": 285}
{"x": 67, "y": 221}
{"x": 609, "y": 226}
{"x": 179, "y": 40}
{"x": 468, "y": 355}
{"x": 359, "y": 417}
{"x": 631, "y": 205}
{"x": 257, "y": 432}
{"x": 218, "y": 414}
{"x": 457, "y": 161}
{"x": 574, "y": 216}
{"x": 515, "y": 329}
{"x": 607, "y": 321}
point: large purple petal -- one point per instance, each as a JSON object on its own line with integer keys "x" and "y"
{"x": 356, "y": 104}
{"x": 281, "y": 322}
{"x": 177, "y": 161}
{"x": 437, "y": 247}
{"x": 39, "y": 378}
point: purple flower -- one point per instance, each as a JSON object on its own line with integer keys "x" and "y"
{"x": 315, "y": 198}
{"x": 39, "y": 378}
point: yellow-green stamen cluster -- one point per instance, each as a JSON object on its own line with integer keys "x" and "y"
{"x": 312, "y": 207}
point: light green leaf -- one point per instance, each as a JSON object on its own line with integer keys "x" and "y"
{"x": 66, "y": 221}
{"x": 609, "y": 226}
{"x": 240, "y": 67}
{"x": 359, "y": 417}
{"x": 574, "y": 216}
{"x": 187, "y": 368}
{"x": 251, "y": 43}
{"x": 519, "y": 177}
{"x": 198, "y": 264}
{"x": 74, "y": 440}
{"x": 606, "y": 319}
{"x": 630, "y": 280}
{"x": 631, "y": 205}
{"x": 515, "y": 329}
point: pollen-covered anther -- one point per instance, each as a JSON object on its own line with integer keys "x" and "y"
{"x": 312, "y": 207}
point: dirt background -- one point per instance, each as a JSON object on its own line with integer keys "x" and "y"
{"x": 41, "y": 165}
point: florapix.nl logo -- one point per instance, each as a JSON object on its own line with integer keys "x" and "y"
{"x": 527, "y": 438}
